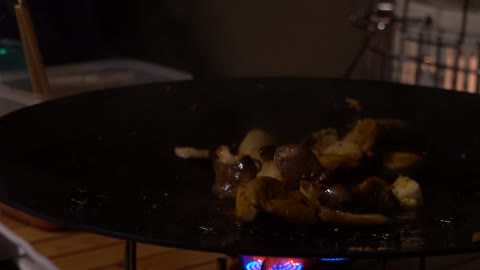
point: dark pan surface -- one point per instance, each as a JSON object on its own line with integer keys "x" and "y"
{"x": 103, "y": 162}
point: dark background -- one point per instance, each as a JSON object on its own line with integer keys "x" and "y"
{"x": 207, "y": 38}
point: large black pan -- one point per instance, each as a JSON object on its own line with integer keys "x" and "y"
{"x": 103, "y": 162}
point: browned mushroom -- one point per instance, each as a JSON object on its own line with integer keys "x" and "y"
{"x": 230, "y": 170}
{"x": 328, "y": 215}
{"x": 293, "y": 207}
{"x": 402, "y": 162}
{"x": 341, "y": 154}
{"x": 374, "y": 194}
{"x": 337, "y": 196}
{"x": 317, "y": 179}
{"x": 312, "y": 191}
{"x": 191, "y": 152}
{"x": 322, "y": 139}
{"x": 253, "y": 195}
{"x": 364, "y": 134}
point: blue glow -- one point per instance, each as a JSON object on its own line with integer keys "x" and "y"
{"x": 3, "y": 51}
{"x": 287, "y": 266}
{"x": 254, "y": 265}
{"x": 334, "y": 259}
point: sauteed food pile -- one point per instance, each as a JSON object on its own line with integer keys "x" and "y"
{"x": 326, "y": 177}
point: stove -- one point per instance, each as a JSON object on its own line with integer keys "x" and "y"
{"x": 448, "y": 262}
{"x": 259, "y": 263}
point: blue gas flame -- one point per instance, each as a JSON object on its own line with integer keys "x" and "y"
{"x": 334, "y": 260}
{"x": 256, "y": 264}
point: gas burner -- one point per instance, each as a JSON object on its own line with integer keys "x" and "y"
{"x": 334, "y": 260}
{"x": 271, "y": 263}
{"x": 278, "y": 263}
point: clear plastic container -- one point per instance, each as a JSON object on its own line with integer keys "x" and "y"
{"x": 89, "y": 76}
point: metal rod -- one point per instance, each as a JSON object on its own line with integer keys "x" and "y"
{"x": 404, "y": 15}
{"x": 382, "y": 65}
{"x": 466, "y": 65}
{"x": 458, "y": 51}
{"x": 222, "y": 264}
{"x": 403, "y": 33}
{"x": 422, "y": 265}
{"x": 384, "y": 264}
{"x": 466, "y": 61}
{"x": 461, "y": 38}
{"x": 418, "y": 71}
{"x": 411, "y": 58}
{"x": 445, "y": 43}
{"x": 466, "y": 4}
{"x": 478, "y": 68}
{"x": 395, "y": 21}
{"x": 351, "y": 68}
{"x": 130, "y": 255}
{"x": 438, "y": 55}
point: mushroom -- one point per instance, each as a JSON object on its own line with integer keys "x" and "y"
{"x": 341, "y": 154}
{"x": 269, "y": 195}
{"x": 328, "y": 215}
{"x": 364, "y": 134}
{"x": 312, "y": 191}
{"x": 322, "y": 139}
{"x": 253, "y": 141}
{"x": 297, "y": 163}
{"x": 245, "y": 210}
{"x": 374, "y": 194}
{"x": 337, "y": 196}
{"x": 293, "y": 207}
{"x": 270, "y": 169}
{"x": 316, "y": 193}
{"x": 402, "y": 162}
{"x": 267, "y": 152}
{"x": 408, "y": 192}
{"x": 230, "y": 170}
{"x": 354, "y": 104}
{"x": 191, "y": 152}
{"x": 253, "y": 195}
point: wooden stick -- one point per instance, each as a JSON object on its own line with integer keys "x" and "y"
{"x": 38, "y": 76}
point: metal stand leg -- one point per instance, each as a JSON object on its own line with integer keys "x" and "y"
{"x": 422, "y": 265}
{"x": 130, "y": 255}
{"x": 384, "y": 264}
{"x": 221, "y": 264}
{"x": 358, "y": 56}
